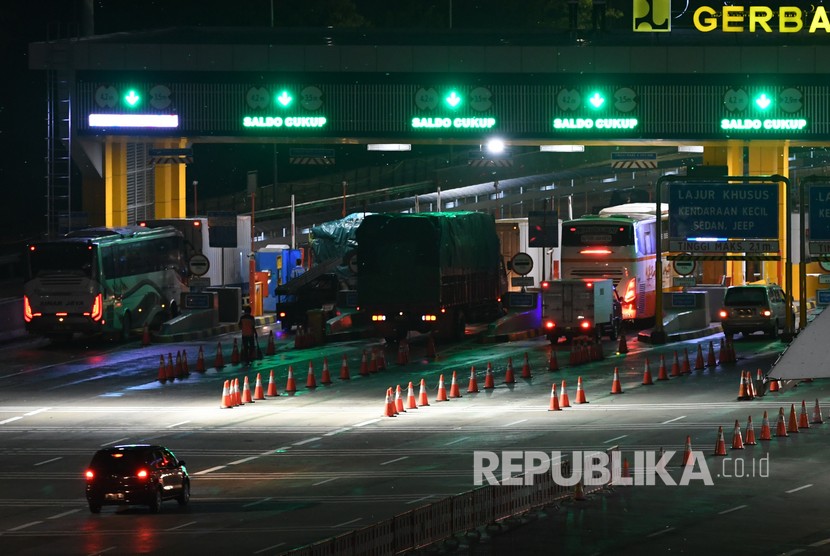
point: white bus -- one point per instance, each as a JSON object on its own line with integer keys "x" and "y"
{"x": 619, "y": 243}
{"x": 103, "y": 281}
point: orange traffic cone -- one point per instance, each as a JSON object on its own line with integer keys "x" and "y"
{"x": 220, "y": 359}
{"x": 185, "y": 368}
{"x": 750, "y": 432}
{"x": 687, "y": 368}
{"x": 235, "y": 353}
{"x": 236, "y": 394}
{"x": 711, "y": 361}
{"x": 259, "y": 393}
{"x": 389, "y": 410}
{"x": 226, "y": 397}
{"x": 410, "y": 397}
{"x": 580, "y": 393}
{"x": 818, "y": 419}
{"x": 564, "y": 401}
{"x": 661, "y": 372}
{"x": 311, "y": 380}
{"x": 622, "y": 347}
{"x": 766, "y": 433}
{"x": 737, "y": 438}
{"x": 290, "y": 384}
{"x": 508, "y": 374}
{"x": 626, "y": 472}
{"x": 742, "y": 395}
{"x": 803, "y": 422}
{"x": 687, "y": 452}
{"x": 781, "y": 426}
{"x": 699, "y": 360}
{"x": 170, "y": 369}
{"x": 364, "y": 364}
{"x": 270, "y": 349}
{"x": 579, "y": 492}
{"x": 246, "y": 392}
{"x": 720, "y": 445}
{"x": 200, "y": 361}
{"x": 422, "y": 395}
{"x": 526, "y": 368}
{"x": 750, "y": 386}
{"x": 326, "y": 376}
{"x": 399, "y": 401}
{"x": 373, "y": 362}
{"x": 489, "y": 382}
{"x": 792, "y": 424}
{"x": 272, "y": 386}
{"x": 554, "y": 401}
{"x": 616, "y": 387}
{"x": 442, "y": 390}
{"x": 178, "y": 369}
{"x": 401, "y": 353}
{"x": 454, "y": 391}
{"x": 344, "y": 369}
{"x": 162, "y": 376}
{"x": 647, "y": 375}
{"x": 145, "y": 335}
{"x": 553, "y": 363}
{"x": 675, "y": 366}
{"x": 774, "y": 385}
{"x": 472, "y": 386}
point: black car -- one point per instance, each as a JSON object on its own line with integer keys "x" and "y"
{"x": 138, "y": 474}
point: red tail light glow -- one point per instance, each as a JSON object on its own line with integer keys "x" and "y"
{"x": 766, "y": 313}
{"x": 142, "y": 474}
{"x": 27, "y": 309}
{"x": 595, "y": 251}
{"x": 550, "y": 325}
{"x": 89, "y": 475}
{"x": 98, "y": 307}
{"x": 585, "y": 324}
{"x": 723, "y": 313}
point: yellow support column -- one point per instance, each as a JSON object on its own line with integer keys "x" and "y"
{"x": 115, "y": 183}
{"x": 731, "y": 155}
{"x": 170, "y": 179}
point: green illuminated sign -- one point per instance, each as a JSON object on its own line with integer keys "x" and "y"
{"x": 453, "y": 123}
{"x": 453, "y": 100}
{"x": 595, "y": 123}
{"x": 290, "y": 121}
{"x": 596, "y": 100}
{"x": 755, "y": 124}
{"x": 284, "y": 99}
{"x": 132, "y": 98}
{"x": 762, "y": 101}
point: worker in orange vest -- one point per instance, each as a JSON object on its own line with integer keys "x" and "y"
{"x": 247, "y": 325}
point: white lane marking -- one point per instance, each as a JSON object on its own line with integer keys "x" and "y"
{"x": 457, "y": 440}
{"x": 615, "y": 438}
{"x": 673, "y": 420}
{"x": 269, "y": 548}
{"x": 324, "y": 481}
{"x": 307, "y": 441}
{"x": 735, "y": 509}
{"x": 796, "y": 551}
{"x": 19, "y": 527}
{"x": 102, "y": 551}
{"x": 249, "y": 504}
{"x": 243, "y": 460}
{"x": 364, "y": 423}
{"x": 176, "y": 425}
{"x": 657, "y": 533}
{"x": 36, "y": 411}
{"x": 355, "y": 520}
{"x": 48, "y": 461}
{"x": 338, "y": 431}
{"x": 62, "y": 514}
{"x": 115, "y": 441}
{"x": 394, "y": 460}
{"x": 797, "y": 489}
{"x": 282, "y": 448}
{"x": 419, "y": 499}
{"x": 217, "y": 468}
{"x": 820, "y": 543}
{"x": 182, "y": 526}
{"x": 10, "y": 419}
{"x": 514, "y": 423}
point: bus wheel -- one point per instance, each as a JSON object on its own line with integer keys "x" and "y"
{"x": 126, "y": 327}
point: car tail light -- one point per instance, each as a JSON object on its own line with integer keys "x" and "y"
{"x": 723, "y": 313}
{"x": 282, "y": 314}
{"x": 585, "y": 324}
{"x": 550, "y": 325}
{"x": 90, "y": 474}
{"x": 142, "y": 474}
{"x": 27, "y": 309}
{"x": 98, "y": 307}
{"x": 766, "y": 313}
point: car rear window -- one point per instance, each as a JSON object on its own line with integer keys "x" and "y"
{"x": 118, "y": 462}
{"x": 745, "y": 296}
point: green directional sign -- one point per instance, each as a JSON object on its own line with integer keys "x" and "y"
{"x": 132, "y": 99}
{"x": 284, "y": 99}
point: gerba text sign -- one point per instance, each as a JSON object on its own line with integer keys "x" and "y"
{"x": 721, "y": 210}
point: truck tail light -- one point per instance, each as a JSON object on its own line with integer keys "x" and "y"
{"x": 98, "y": 307}
{"x": 27, "y": 309}
{"x": 585, "y": 324}
{"x": 723, "y": 313}
{"x": 550, "y": 325}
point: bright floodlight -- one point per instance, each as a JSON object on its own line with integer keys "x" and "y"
{"x": 388, "y": 147}
{"x": 562, "y": 148}
{"x": 495, "y": 146}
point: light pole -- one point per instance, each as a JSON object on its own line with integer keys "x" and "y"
{"x": 195, "y": 187}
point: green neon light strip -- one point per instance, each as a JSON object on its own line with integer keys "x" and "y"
{"x": 595, "y": 123}
{"x": 453, "y": 123}
{"x": 290, "y": 121}
{"x": 750, "y": 124}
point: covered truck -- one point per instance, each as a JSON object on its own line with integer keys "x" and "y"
{"x": 429, "y": 272}
{"x": 576, "y": 307}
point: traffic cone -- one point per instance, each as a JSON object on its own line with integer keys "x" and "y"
{"x": 290, "y": 383}
{"x": 489, "y": 382}
{"x": 803, "y": 422}
{"x": 721, "y": 353}
{"x": 270, "y": 349}
{"x": 553, "y": 364}
{"x": 580, "y": 393}
{"x": 687, "y": 368}
{"x": 622, "y": 347}
{"x": 616, "y": 387}
{"x": 737, "y": 438}
{"x": 389, "y": 410}
{"x": 699, "y": 360}
{"x": 170, "y": 369}
{"x": 145, "y": 335}
{"x": 200, "y": 361}
{"x": 178, "y": 369}
{"x": 472, "y": 386}
{"x": 162, "y": 376}
{"x": 526, "y": 368}
{"x": 220, "y": 359}
{"x": 647, "y": 375}
{"x": 454, "y": 391}
{"x": 579, "y": 492}
{"x": 818, "y": 419}
{"x": 236, "y": 394}
{"x": 687, "y": 452}
{"x": 750, "y": 386}
{"x": 246, "y": 392}
{"x": 750, "y": 432}
{"x": 401, "y": 354}
{"x": 442, "y": 390}
{"x": 326, "y": 376}
{"x": 272, "y": 386}
{"x": 661, "y": 371}
{"x": 710, "y": 360}
{"x": 626, "y": 472}
{"x": 554, "y": 401}
{"x": 781, "y": 427}
{"x": 410, "y": 397}
{"x": 259, "y": 393}
{"x": 344, "y": 369}
{"x": 226, "y": 402}
{"x": 508, "y": 375}
{"x": 399, "y": 401}
{"x": 774, "y": 385}
{"x": 766, "y": 433}
{"x": 311, "y": 380}
{"x": 235, "y": 353}
{"x": 185, "y": 368}
{"x": 364, "y": 364}
{"x": 742, "y": 388}
{"x": 422, "y": 395}
{"x": 675, "y": 366}
{"x": 431, "y": 352}
{"x": 720, "y": 445}
{"x": 373, "y": 362}
{"x": 792, "y": 423}
{"x": 564, "y": 401}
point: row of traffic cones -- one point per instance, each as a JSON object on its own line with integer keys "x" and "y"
{"x": 726, "y": 355}
{"x": 169, "y": 372}
{"x": 557, "y": 403}
{"x": 677, "y": 368}
{"x": 784, "y": 427}
{"x": 233, "y": 396}
{"x": 585, "y": 350}
{"x": 304, "y": 338}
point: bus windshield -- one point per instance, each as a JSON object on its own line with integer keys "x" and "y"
{"x": 61, "y": 257}
{"x": 599, "y": 233}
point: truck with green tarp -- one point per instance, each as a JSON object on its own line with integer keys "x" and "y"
{"x": 429, "y": 272}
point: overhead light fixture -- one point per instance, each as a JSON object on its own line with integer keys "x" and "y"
{"x": 133, "y": 120}
{"x": 495, "y": 146}
{"x": 690, "y": 149}
{"x": 562, "y": 148}
{"x": 388, "y": 147}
